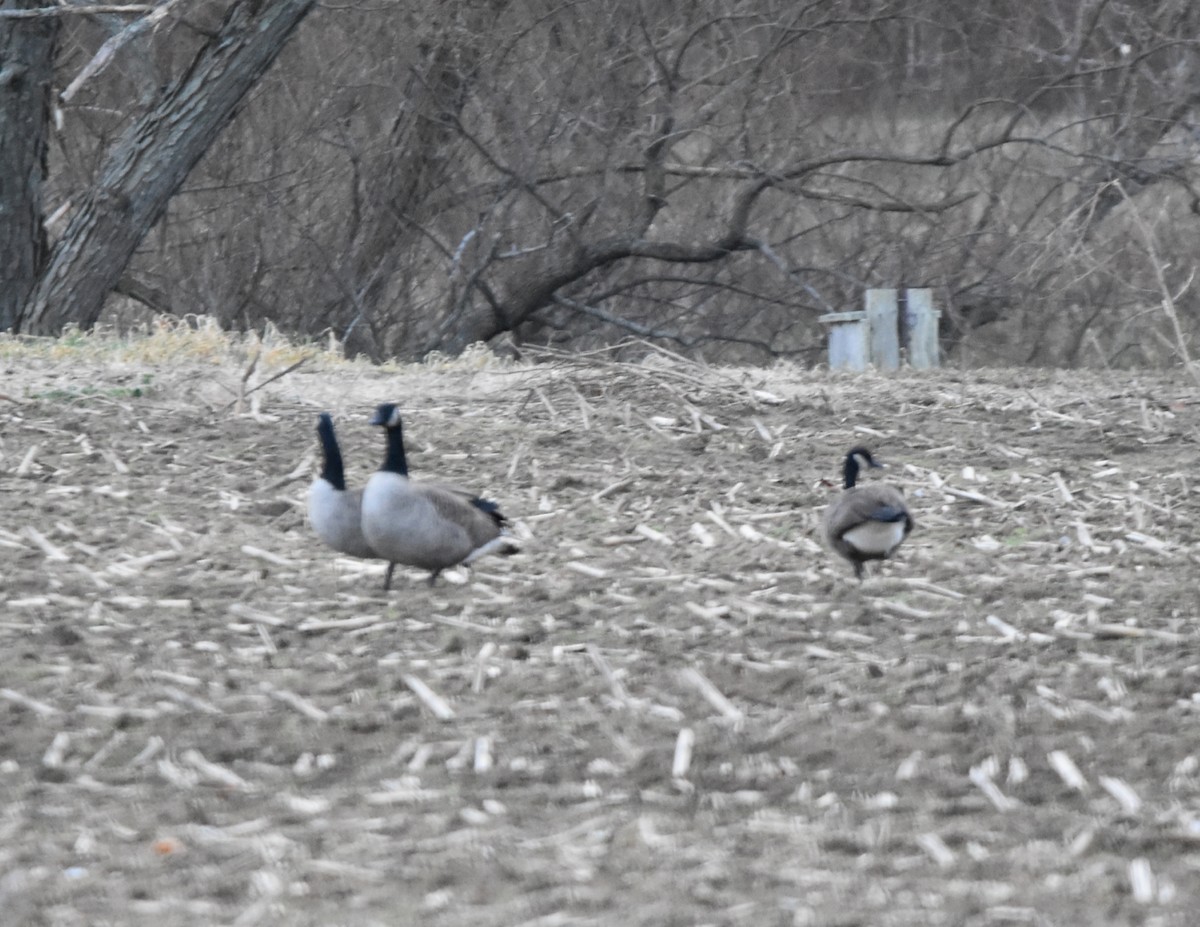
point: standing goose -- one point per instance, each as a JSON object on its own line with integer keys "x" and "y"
{"x": 334, "y": 512}
{"x": 866, "y": 522}
{"x": 427, "y": 525}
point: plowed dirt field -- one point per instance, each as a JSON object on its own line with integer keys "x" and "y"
{"x": 673, "y": 707}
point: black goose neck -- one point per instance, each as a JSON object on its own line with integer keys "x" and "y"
{"x": 850, "y": 471}
{"x": 394, "y": 460}
{"x": 332, "y": 469}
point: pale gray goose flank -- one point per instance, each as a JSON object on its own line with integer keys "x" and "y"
{"x": 866, "y": 522}
{"x": 335, "y": 512}
{"x": 426, "y": 525}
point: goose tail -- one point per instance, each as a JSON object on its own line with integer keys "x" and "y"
{"x": 502, "y": 545}
{"x": 491, "y": 509}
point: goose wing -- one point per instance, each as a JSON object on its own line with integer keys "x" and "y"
{"x": 866, "y": 504}
{"x": 489, "y": 507}
{"x": 479, "y": 518}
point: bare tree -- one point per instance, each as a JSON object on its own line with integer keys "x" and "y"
{"x": 416, "y": 177}
{"x": 27, "y": 48}
{"x": 701, "y": 149}
{"x": 393, "y": 185}
{"x": 145, "y": 168}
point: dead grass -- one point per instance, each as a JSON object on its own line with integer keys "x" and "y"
{"x": 673, "y": 708}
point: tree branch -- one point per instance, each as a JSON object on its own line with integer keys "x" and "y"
{"x": 45, "y": 12}
{"x": 646, "y": 331}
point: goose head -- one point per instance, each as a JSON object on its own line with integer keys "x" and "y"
{"x": 858, "y": 458}
{"x": 387, "y": 417}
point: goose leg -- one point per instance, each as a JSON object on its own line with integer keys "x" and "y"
{"x": 387, "y": 579}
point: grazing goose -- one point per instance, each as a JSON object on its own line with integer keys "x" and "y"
{"x": 428, "y": 525}
{"x": 866, "y": 522}
{"x": 335, "y": 512}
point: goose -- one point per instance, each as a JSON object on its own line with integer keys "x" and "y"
{"x": 866, "y": 522}
{"x": 335, "y": 512}
{"x": 427, "y": 525}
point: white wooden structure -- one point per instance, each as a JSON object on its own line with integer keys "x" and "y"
{"x": 921, "y": 323}
{"x": 847, "y": 340}
{"x": 872, "y": 335}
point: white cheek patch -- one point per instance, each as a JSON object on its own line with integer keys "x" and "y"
{"x": 875, "y": 537}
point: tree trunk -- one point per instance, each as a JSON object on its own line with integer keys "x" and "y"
{"x": 151, "y": 161}
{"x": 417, "y": 161}
{"x": 422, "y": 153}
{"x": 26, "y": 67}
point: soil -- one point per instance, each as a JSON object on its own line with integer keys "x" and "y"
{"x": 675, "y": 706}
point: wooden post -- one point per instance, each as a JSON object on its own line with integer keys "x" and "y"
{"x": 847, "y": 340}
{"x": 921, "y": 320}
{"x": 872, "y": 336}
{"x": 884, "y": 336}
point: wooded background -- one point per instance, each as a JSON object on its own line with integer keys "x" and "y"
{"x": 418, "y": 176}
